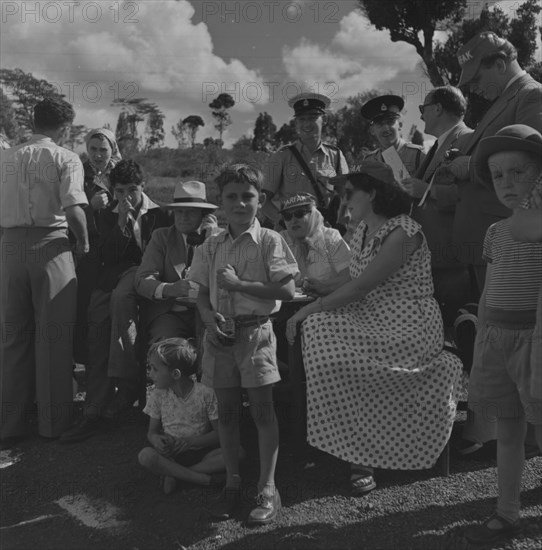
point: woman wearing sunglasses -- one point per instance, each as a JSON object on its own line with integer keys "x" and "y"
{"x": 379, "y": 385}
{"x": 321, "y": 253}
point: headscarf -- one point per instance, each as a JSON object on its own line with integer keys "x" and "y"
{"x": 304, "y": 248}
{"x": 110, "y": 136}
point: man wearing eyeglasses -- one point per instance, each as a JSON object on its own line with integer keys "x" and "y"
{"x": 385, "y": 125}
{"x": 306, "y": 165}
{"x": 442, "y": 113}
{"x": 489, "y": 67}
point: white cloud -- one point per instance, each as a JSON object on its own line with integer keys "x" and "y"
{"x": 358, "y": 58}
{"x": 130, "y": 49}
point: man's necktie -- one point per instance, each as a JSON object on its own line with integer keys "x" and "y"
{"x": 189, "y": 258}
{"x": 428, "y": 160}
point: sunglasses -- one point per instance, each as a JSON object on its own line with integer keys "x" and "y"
{"x": 422, "y": 107}
{"x": 299, "y": 213}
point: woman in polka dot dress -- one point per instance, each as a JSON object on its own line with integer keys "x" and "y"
{"x": 379, "y": 385}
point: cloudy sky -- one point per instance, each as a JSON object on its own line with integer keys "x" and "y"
{"x": 181, "y": 54}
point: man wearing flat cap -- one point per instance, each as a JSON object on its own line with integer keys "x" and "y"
{"x": 306, "y": 165}
{"x": 489, "y": 68}
{"x": 384, "y": 116}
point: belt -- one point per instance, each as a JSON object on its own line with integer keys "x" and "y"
{"x": 250, "y": 320}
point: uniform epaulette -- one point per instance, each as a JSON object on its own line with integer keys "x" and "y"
{"x": 413, "y": 145}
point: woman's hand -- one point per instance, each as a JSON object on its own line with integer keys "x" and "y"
{"x": 181, "y": 444}
{"x": 293, "y": 322}
{"x": 99, "y": 200}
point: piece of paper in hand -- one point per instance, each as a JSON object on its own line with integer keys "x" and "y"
{"x": 393, "y": 160}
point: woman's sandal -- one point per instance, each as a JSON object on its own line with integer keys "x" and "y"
{"x": 361, "y": 481}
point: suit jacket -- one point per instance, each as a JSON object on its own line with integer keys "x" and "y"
{"x": 477, "y": 205}
{"x": 436, "y": 219}
{"x": 118, "y": 250}
{"x": 163, "y": 262}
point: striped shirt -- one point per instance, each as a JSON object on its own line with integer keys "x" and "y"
{"x": 512, "y": 291}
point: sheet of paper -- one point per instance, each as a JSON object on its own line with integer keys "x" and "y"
{"x": 393, "y": 160}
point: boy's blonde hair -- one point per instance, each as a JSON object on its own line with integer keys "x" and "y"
{"x": 240, "y": 173}
{"x": 176, "y": 353}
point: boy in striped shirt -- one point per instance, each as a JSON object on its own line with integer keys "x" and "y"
{"x": 500, "y": 381}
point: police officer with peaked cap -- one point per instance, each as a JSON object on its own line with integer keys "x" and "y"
{"x": 384, "y": 116}
{"x": 285, "y": 175}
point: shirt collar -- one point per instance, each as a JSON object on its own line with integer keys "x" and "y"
{"x": 513, "y": 79}
{"x": 302, "y": 147}
{"x": 442, "y": 138}
{"x": 253, "y": 231}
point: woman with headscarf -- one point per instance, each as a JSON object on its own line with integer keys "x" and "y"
{"x": 103, "y": 155}
{"x": 321, "y": 253}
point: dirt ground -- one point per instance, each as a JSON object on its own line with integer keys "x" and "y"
{"x": 95, "y": 495}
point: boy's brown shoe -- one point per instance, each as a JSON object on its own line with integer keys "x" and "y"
{"x": 493, "y": 529}
{"x": 223, "y": 507}
{"x": 267, "y": 509}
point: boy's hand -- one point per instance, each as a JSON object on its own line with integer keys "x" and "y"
{"x": 227, "y": 278}
{"x": 125, "y": 211}
{"x": 178, "y": 289}
{"x": 181, "y": 444}
{"x": 160, "y": 442}
{"x": 214, "y": 334}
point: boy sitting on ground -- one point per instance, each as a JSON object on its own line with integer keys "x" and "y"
{"x": 183, "y": 419}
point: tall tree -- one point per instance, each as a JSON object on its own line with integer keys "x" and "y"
{"x": 24, "y": 90}
{"x": 264, "y": 132}
{"x": 192, "y": 123}
{"x": 137, "y": 110}
{"x": 179, "y": 132}
{"x": 8, "y": 118}
{"x": 77, "y": 135}
{"x": 415, "y": 22}
{"x": 220, "y": 106}
{"x": 285, "y": 135}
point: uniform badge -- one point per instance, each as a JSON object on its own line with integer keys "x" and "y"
{"x": 306, "y": 103}
{"x": 384, "y": 107}
{"x": 467, "y": 56}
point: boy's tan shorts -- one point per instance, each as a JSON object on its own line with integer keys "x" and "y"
{"x": 250, "y": 363}
{"x": 502, "y": 372}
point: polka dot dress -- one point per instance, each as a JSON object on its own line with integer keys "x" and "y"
{"x": 379, "y": 387}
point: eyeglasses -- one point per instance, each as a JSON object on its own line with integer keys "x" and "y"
{"x": 422, "y": 107}
{"x": 299, "y": 213}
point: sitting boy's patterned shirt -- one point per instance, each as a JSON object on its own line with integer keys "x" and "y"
{"x": 186, "y": 417}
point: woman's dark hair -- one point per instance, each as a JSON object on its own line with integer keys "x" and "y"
{"x": 390, "y": 199}
{"x": 52, "y": 113}
{"x": 126, "y": 171}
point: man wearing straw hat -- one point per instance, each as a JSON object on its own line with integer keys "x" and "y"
{"x": 161, "y": 277}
